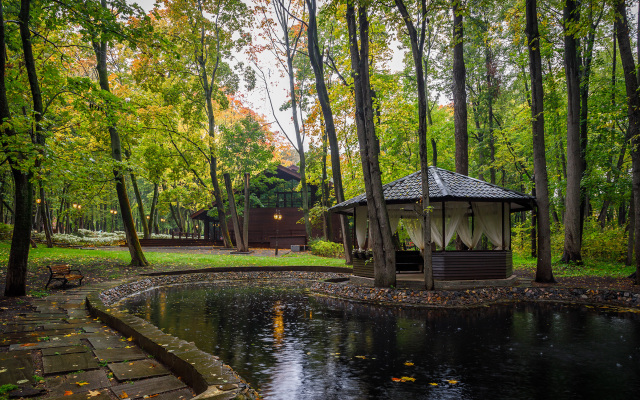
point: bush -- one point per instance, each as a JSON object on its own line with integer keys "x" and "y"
{"x": 6, "y": 231}
{"x": 85, "y": 238}
{"x": 325, "y": 248}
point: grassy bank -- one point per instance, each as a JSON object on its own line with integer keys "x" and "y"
{"x": 590, "y": 267}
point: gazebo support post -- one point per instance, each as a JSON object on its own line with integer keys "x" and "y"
{"x": 502, "y": 225}
{"x": 444, "y": 245}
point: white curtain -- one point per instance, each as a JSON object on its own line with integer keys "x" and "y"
{"x": 414, "y": 229}
{"x": 507, "y": 226}
{"x": 394, "y": 218}
{"x": 490, "y": 219}
{"x": 464, "y": 232}
{"x": 453, "y": 214}
{"x": 361, "y": 226}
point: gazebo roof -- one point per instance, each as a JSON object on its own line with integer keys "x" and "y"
{"x": 444, "y": 186}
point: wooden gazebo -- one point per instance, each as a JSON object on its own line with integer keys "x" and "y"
{"x": 467, "y": 207}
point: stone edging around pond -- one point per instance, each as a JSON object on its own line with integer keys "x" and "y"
{"x": 477, "y": 297}
{"x": 205, "y": 373}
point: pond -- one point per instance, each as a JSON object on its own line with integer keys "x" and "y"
{"x": 289, "y": 344}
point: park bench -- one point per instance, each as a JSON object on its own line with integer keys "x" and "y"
{"x": 64, "y": 273}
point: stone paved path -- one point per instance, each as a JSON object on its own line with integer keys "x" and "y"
{"x": 59, "y": 352}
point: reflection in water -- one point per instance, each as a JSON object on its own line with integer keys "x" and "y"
{"x": 289, "y": 345}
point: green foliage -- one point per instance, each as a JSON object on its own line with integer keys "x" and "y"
{"x": 5, "y": 389}
{"x": 6, "y": 231}
{"x": 324, "y": 248}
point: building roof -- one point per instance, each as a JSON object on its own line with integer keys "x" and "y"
{"x": 443, "y": 186}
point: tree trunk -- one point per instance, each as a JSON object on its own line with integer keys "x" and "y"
{"x": 417, "y": 48}
{"x": 46, "y": 220}
{"x": 237, "y": 230}
{"x": 572, "y": 236}
{"x": 245, "y": 217}
{"x": 631, "y": 232}
{"x": 135, "y": 250}
{"x": 459, "y": 93}
{"x": 143, "y": 220}
{"x": 381, "y": 241}
{"x": 324, "y": 188}
{"x": 154, "y": 209}
{"x": 315, "y": 57}
{"x": 543, "y": 270}
{"x": 633, "y": 111}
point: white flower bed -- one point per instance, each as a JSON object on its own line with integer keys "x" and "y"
{"x": 85, "y": 237}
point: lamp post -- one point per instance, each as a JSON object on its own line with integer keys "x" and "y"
{"x": 277, "y": 216}
{"x": 113, "y": 215}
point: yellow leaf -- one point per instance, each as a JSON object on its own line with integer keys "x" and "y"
{"x": 124, "y": 395}
{"x": 82, "y": 383}
{"x": 362, "y": 357}
{"x": 433, "y": 384}
{"x": 130, "y": 339}
{"x": 408, "y": 364}
{"x": 452, "y": 382}
{"x": 93, "y": 393}
{"x": 408, "y": 379}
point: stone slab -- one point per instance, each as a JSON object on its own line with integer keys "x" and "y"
{"x": 106, "y": 342}
{"x": 137, "y": 370}
{"x": 16, "y": 368}
{"x": 69, "y": 363}
{"x": 182, "y": 394}
{"x": 64, "y": 350}
{"x": 44, "y": 345}
{"x": 119, "y": 354}
{"x": 102, "y": 394}
{"x": 148, "y": 387}
{"x": 76, "y": 383}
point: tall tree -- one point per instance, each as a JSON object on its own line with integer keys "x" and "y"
{"x": 417, "y": 40}
{"x": 459, "y": 92}
{"x": 285, "y": 46}
{"x": 379, "y": 228}
{"x": 633, "y": 112}
{"x": 543, "y": 270}
{"x": 572, "y": 237}
{"x": 317, "y": 63}
{"x": 99, "y": 43}
{"x": 23, "y": 194}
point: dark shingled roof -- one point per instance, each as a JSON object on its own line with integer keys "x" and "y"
{"x": 443, "y": 186}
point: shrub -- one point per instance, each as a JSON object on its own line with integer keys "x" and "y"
{"x": 6, "y": 231}
{"x": 325, "y": 248}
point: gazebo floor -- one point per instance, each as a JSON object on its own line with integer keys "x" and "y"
{"x": 416, "y": 282}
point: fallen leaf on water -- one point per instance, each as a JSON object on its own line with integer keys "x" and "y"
{"x": 362, "y": 357}
{"x": 452, "y": 382}
{"x": 433, "y": 384}
{"x": 408, "y": 364}
{"x": 404, "y": 379}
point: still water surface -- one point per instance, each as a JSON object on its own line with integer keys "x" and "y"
{"x": 291, "y": 345}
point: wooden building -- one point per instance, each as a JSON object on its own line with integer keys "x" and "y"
{"x": 278, "y": 194}
{"x": 461, "y": 205}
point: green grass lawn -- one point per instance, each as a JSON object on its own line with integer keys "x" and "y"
{"x": 100, "y": 265}
{"x": 589, "y": 267}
